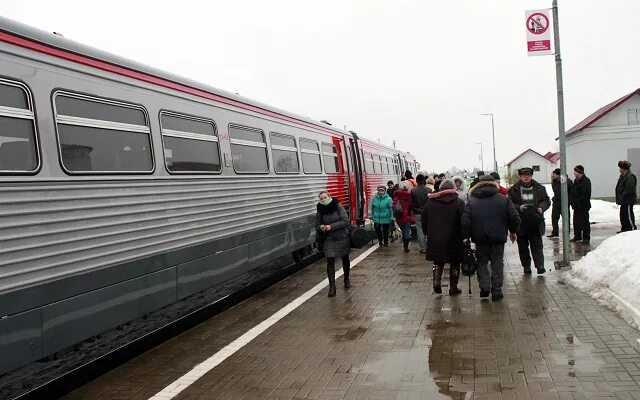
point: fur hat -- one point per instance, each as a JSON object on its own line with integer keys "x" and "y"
{"x": 579, "y": 169}
{"x": 624, "y": 164}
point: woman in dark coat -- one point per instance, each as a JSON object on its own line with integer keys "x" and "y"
{"x": 442, "y": 224}
{"x": 331, "y": 226}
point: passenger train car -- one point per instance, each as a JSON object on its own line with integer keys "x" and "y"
{"x": 125, "y": 189}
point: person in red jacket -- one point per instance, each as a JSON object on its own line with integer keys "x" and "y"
{"x": 501, "y": 189}
{"x": 403, "y": 212}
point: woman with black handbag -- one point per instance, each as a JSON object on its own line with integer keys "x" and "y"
{"x": 332, "y": 225}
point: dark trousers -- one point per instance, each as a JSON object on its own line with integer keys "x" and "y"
{"x": 331, "y": 265}
{"x": 581, "y": 225}
{"x": 493, "y": 253}
{"x": 533, "y": 241}
{"x": 382, "y": 231}
{"x": 627, "y": 218}
{"x": 556, "y": 213}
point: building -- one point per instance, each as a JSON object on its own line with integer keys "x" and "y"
{"x": 542, "y": 165}
{"x": 609, "y": 135}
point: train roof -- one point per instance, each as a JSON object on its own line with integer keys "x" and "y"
{"x": 61, "y": 43}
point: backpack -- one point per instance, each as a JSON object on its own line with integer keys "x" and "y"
{"x": 397, "y": 210}
{"x": 469, "y": 263}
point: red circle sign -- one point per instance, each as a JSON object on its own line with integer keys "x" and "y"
{"x": 537, "y": 23}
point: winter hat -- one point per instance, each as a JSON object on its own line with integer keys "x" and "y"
{"x": 480, "y": 173}
{"x": 447, "y": 184}
{"x": 495, "y": 176}
{"x": 579, "y": 169}
{"x": 556, "y": 171}
{"x": 383, "y": 188}
{"x": 624, "y": 164}
{"x": 487, "y": 178}
{"x": 525, "y": 171}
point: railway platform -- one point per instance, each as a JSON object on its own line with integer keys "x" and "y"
{"x": 390, "y": 337}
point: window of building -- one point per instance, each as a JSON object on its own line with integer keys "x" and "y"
{"x": 330, "y": 158}
{"x": 368, "y": 163}
{"x": 284, "y": 153}
{"x": 633, "y": 116}
{"x": 190, "y": 144}
{"x": 18, "y": 146}
{"x": 248, "y": 150}
{"x": 310, "y": 152}
{"x": 535, "y": 167}
{"x": 102, "y": 136}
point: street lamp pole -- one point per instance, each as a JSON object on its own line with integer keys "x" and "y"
{"x": 481, "y": 156}
{"x": 493, "y": 134}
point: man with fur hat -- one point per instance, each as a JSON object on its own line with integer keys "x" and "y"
{"x": 626, "y": 196}
{"x": 487, "y": 219}
{"x": 556, "y": 209}
{"x": 581, "y": 204}
{"x": 531, "y": 201}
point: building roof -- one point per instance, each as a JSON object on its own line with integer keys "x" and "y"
{"x": 553, "y": 157}
{"x": 601, "y": 112}
{"x": 523, "y": 153}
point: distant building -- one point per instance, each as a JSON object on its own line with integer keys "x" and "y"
{"x": 605, "y": 137}
{"x": 542, "y": 165}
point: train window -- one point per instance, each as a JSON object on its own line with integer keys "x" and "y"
{"x": 102, "y": 136}
{"x": 368, "y": 163}
{"x": 310, "y": 152}
{"x": 284, "y": 153}
{"x": 190, "y": 144}
{"x": 18, "y": 146}
{"x": 385, "y": 165}
{"x": 330, "y": 158}
{"x": 248, "y": 150}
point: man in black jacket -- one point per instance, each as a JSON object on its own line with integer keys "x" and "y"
{"x": 487, "y": 219}
{"x": 581, "y": 204}
{"x": 626, "y": 196}
{"x": 531, "y": 201}
{"x": 419, "y": 197}
{"x": 556, "y": 209}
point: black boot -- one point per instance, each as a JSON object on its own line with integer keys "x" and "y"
{"x": 454, "y": 275}
{"x": 331, "y": 274}
{"x": 437, "y": 278}
{"x": 406, "y": 245}
{"x": 346, "y": 267}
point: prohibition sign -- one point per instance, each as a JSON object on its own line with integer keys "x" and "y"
{"x": 537, "y": 23}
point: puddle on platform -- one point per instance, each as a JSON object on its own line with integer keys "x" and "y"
{"x": 388, "y": 313}
{"x": 575, "y": 357}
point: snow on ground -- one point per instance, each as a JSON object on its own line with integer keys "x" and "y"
{"x": 611, "y": 274}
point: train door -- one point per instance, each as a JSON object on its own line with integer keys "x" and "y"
{"x": 345, "y": 146}
{"x": 400, "y": 165}
{"x": 358, "y": 199}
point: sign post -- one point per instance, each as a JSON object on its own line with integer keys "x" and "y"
{"x": 539, "y": 43}
{"x": 538, "y": 33}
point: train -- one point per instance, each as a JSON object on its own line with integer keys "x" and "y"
{"x": 125, "y": 189}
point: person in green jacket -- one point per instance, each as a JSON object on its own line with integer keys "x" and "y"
{"x": 382, "y": 215}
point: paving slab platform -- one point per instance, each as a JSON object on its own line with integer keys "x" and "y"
{"x": 390, "y": 337}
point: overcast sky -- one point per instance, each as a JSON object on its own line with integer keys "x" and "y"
{"x": 419, "y": 72}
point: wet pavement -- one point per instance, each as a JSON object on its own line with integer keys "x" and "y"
{"x": 389, "y": 337}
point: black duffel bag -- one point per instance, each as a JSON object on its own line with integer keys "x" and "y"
{"x": 358, "y": 236}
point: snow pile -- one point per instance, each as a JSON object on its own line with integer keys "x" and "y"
{"x": 604, "y": 212}
{"x": 611, "y": 274}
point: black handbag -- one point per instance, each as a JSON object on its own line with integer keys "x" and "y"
{"x": 469, "y": 263}
{"x": 358, "y": 236}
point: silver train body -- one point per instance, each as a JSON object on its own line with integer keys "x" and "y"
{"x": 83, "y": 250}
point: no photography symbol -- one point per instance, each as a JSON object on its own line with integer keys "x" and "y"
{"x": 537, "y": 23}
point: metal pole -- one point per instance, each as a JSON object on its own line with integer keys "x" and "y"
{"x": 566, "y": 262}
{"x": 481, "y": 157}
{"x": 493, "y": 133}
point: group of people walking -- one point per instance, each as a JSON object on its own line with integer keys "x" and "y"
{"x": 448, "y": 217}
